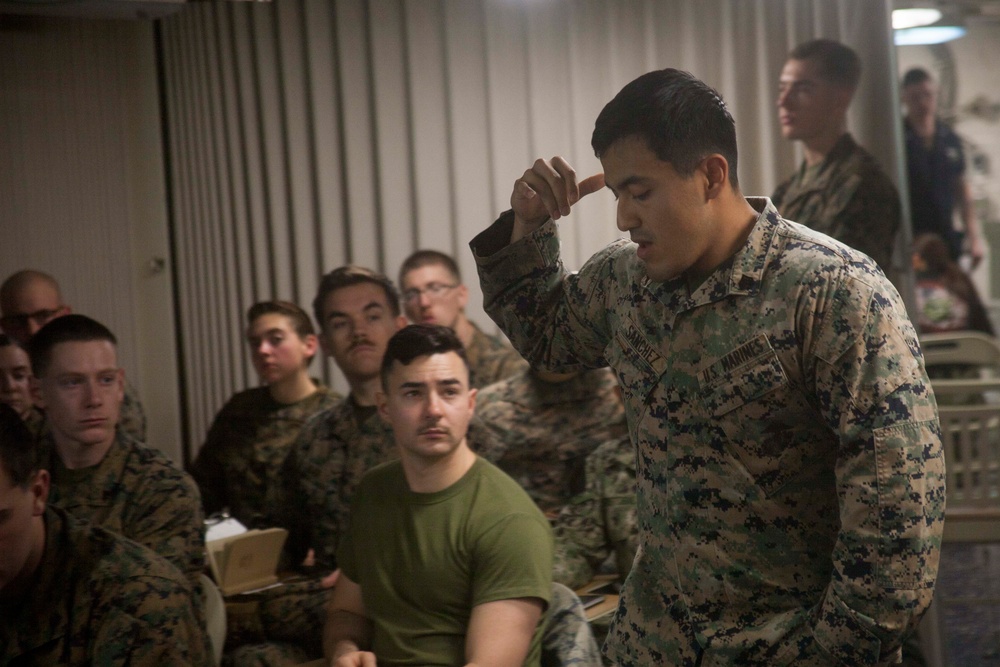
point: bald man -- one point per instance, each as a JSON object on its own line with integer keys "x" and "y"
{"x": 29, "y": 299}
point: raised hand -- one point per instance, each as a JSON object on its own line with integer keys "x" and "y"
{"x": 548, "y": 189}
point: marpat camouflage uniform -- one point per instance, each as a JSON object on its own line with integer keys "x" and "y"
{"x": 239, "y": 466}
{"x": 132, "y": 418}
{"x": 601, "y": 521}
{"x": 136, "y": 491}
{"x": 490, "y": 359}
{"x": 100, "y": 599}
{"x": 848, "y": 197}
{"x": 543, "y": 431}
{"x": 790, "y": 478}
{"x": 331, "y": 454}
{"x": 567, "y": 640}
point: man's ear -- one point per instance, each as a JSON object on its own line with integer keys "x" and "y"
{"x": 463, "y": 296}
{"x": 382, "y": 404}
{"x": 311, "y": 343}
{"x": 716, "y": 170}
{"x": 39, "y": 487}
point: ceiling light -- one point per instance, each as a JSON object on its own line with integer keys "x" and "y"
{"x": 914, "y": 17}
{"x": 934, "y": 34}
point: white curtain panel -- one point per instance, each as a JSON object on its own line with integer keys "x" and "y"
{"x": 305, "y": 134}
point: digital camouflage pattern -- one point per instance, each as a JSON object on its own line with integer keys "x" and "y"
{"x": 331, "y": 454}
{"x": 490, "y": 359}
{"x": 132, "y": 418}
{"x": 567, "y": 639}
{"x": 848, "y": 197}
{"x": 601, "y": 521}
{"x": 790, "y": 479}
{"x": 136, "y": 491}
{"x": 276, "y": 626}
{"x": 543, "y": 431}
{"x": 99, "y": 599}
{"x": 239, "y": 466}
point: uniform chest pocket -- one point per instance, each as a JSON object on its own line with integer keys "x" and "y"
{"x": 638, "y": 376}
{"x": 759, "y": 415}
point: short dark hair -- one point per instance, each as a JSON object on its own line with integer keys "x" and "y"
{"x": 349, "y": 275}
{"x": 66, "y": 329}
{"x": 916, "y": 75}
{"x": 419, "y": 340}
{"x": 422, "y": 258}
{"x": 681, "y": 119}
{"x": 299, "y": 318}
{"x": 20, "y": 456}
{"x": 838, "y": 63}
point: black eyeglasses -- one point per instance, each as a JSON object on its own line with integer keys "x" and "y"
{"x": 20, "y": 322}
{"x": 434, "y": 291}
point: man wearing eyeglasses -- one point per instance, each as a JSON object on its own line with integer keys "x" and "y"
{"x": 31, "y": 299}
{"x": 433, "y": 293}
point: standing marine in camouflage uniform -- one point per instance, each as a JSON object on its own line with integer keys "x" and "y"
{"x": 433, "y": 293}
{"x": 99, "y": 473}
{"x": 545, "y": 424}
{"x": 30, "y": 299}
{"x": 76, "y": 594}
{"x": 600, "y": 522}
{"x": 239, "y": 466}
{"x": 839, "y": 189}
{"x": 790, "y": 478}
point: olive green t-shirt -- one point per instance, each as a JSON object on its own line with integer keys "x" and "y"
{"x": 424, "y": 560}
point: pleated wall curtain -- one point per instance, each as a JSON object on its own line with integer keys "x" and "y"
{"x": 305, "y": 134}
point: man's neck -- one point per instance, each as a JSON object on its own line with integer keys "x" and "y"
{"x": 75, "y": 455}
{"x": 924, "y": 126}
{"x": 423, "y": 476}
{"x": 292, "y": 390}
{"x": 817, "y": 148}
{"x": 464, "y": 330}
{"x": 363, "y": 390}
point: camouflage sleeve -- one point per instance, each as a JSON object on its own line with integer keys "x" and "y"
{"x": 555, "y": 319}
{"x": 153, "y": 622}
{"x": 207, "y": 469}
{"x": 291, "y": 515}
{"x": 869, "y": 220}
{"x": 599, "y": 521}
{"x": 172, "y": 522}
{"x": 132, "y": 419}
{"x": 872, "y": 390}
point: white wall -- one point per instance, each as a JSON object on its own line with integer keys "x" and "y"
{"x": 82, "y": 191}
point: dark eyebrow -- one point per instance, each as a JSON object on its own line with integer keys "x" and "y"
{"x": 631, "y": 180}
{"x": 336, "y": 313}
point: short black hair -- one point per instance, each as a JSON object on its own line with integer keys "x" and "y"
{"x": 681, "y": 118}
{"x": 349, "y": 275}
{"x": 419, "y": 340}
{"x": 20, "y": 456}
{"x": 915, "y": 76}
{"x": 66, "y": 329}
{"x": 422, "y": 258}
{"x": 838, "y": 63}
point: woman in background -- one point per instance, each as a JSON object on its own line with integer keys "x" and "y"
{"x": 946, "y": 298}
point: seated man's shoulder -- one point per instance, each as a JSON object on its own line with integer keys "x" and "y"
{"x": 153, "y": 466}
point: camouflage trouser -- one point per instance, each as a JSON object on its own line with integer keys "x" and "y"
{"x": 277, "y": 626}
{"x": 567, "y": 638}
